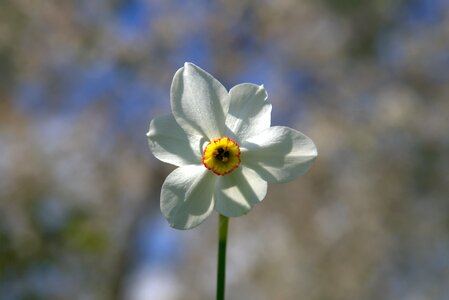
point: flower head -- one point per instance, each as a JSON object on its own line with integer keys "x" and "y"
{"x": 224, "y": 148}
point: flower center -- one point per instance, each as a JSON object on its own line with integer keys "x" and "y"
{"x": 221, "y": 156}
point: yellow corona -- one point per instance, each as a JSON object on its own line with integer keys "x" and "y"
{"x": 221, "y": 156}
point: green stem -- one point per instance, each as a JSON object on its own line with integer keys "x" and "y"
{"x": 221, "y": 270}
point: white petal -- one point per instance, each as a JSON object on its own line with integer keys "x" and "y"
{"x": 170, "y": 144}
{"x": 187, "y": 196}
{"x": 199, "y": 102}
{"x": 249, "y": 111}
{"x": 237, "y": 192}
{"x": 279, "y": 154}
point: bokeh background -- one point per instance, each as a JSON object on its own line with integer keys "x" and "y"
{"x": 368, "y": 81}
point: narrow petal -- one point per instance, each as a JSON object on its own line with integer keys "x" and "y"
{"x": 279, "y": 154}
{"x": 249, "y": 111}
{"x": 187, "y": 196}
{"x": 238, "y": 192}
{"x": 199, "y": 102}
{"x": 170, "y": 144}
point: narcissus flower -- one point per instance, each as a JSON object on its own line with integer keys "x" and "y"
{"x": 224, "y": 148}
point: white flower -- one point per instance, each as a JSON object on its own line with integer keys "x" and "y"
{"x": 224, "y": 147}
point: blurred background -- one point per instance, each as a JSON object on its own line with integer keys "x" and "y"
{"x": 368, "y": 81}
